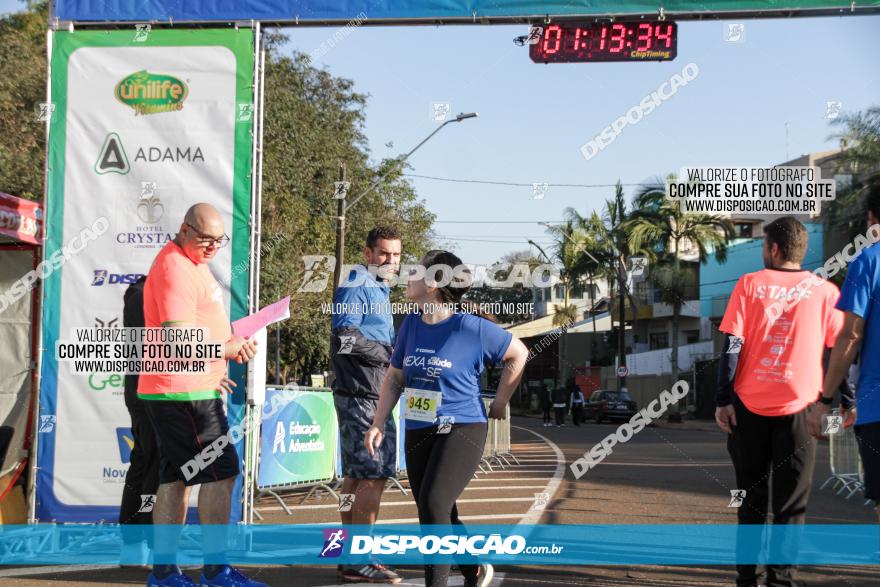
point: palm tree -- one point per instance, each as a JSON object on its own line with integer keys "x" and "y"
{"x": 604, "y": 243}
{"x": 565, "y": 253}
{"x": 662, "y": 229}
{"x": 859, "y": 139}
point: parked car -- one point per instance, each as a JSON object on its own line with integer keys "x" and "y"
{"x": 610, "y": 404}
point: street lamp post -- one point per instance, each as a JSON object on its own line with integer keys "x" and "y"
{"x": 344, "y": 208}
{"x": 621, "y": 282}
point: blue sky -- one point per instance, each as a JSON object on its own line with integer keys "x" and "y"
{"x": 534, "y": 117}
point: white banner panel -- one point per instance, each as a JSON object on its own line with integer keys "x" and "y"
{"x": 147, "y": 129}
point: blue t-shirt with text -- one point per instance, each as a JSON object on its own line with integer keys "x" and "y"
{"x": 363, "y": 301}
{"x": 449, "y": 357}
{"x": 860, "y": 295}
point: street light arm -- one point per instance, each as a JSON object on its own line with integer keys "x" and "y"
{"x": 400, "y": 160}
{"x": 537, "y": 246}
{"x": 578, "y": 246}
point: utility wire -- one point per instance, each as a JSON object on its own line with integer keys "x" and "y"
{"x": 520, "y": 184}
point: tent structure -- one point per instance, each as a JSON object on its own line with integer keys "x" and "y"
{"x": 21, "y": 234}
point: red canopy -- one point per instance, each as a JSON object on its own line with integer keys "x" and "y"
{"x": 21, "y": 219}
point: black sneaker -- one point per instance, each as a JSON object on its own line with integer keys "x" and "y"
{"x": 484, "y": 577}
{"x": 374, "y": 573}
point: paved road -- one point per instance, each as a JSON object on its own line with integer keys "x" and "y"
{"x": 667, "y": 474}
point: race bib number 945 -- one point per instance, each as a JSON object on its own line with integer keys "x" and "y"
{"x": 421, "y": 404}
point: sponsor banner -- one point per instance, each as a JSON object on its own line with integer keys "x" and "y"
{"x": 21, "y": 219}
{"x": 298, "y": 441}
{"x": 409, "y": 544}
{"x": 144, "y": 129}
{"x": 305, "y": 11}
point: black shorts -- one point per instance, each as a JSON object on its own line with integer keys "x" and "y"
{"x": 869, "y": 448}
{"x": 194, "y": 441}
{"x": 355, "y": 416}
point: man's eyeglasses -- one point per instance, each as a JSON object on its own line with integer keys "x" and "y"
{"x": 207, "y": 240}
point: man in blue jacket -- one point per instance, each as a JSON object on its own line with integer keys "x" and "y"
{"x": 859, "y": 300}
{"x": 360, "y": 350}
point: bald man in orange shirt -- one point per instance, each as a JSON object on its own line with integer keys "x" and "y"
{"x": 187, "y": 410}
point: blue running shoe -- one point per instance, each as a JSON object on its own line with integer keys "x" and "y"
{"x": 172, "y": 580}
{"x": 229, "y": 577}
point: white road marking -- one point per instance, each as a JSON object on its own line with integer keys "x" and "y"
{"x": 29, "y": 571}
{"x": 416, "y": 520}
{"x": 455, "y": 580}
{"x": 533, "y": 516}
{"x": 388, "y": 503}
{"x": 685, "y": 465}
{"x": 506, "y": 479}
{"x": 504, "y": 487}
{"x": 508, "y": 471}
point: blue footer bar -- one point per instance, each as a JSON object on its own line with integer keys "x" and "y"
{"x": 645, "y": 544}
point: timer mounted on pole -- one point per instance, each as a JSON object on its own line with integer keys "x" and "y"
{"x": 574, "y": 42}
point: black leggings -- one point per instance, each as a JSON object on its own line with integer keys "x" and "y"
{"x": 439, "y": 467}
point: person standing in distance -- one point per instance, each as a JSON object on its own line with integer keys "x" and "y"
{"x": 142, "y": 477}
{"x": 187, "y": 410}
{"x": 360, "y": 350}
{"x": 778, "y": 325}
{"x": 860, "y": 302}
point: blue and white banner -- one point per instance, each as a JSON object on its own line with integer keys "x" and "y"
{"x": 343, "y": 10}
{"x": 612, "y": 544}
{"x": 143, "y": 128}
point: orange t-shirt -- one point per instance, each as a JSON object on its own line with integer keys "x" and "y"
{"x": 779, "y": 371}
{"x": 179, "y": 290}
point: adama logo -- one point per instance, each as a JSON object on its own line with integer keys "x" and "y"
{"x": 151, "y": 93}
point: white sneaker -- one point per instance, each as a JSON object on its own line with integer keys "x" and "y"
{"x": 484, "y": 575}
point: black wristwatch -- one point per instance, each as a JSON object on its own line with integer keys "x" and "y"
{"x": 825, "y": 400}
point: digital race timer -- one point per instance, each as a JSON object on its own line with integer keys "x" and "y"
{"x": 568, "y": 42}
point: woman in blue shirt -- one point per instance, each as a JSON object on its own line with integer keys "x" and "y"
{"x": 437, "y": 361}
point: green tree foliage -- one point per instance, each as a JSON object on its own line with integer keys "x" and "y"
{"x": 515, "y": 296}
{"x": 664, "y": 230}
{"x": 859, "y": 137}
{"x": 22, "y": 88}
{"x": 314, "y": 121}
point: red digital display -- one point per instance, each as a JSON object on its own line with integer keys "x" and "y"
{"x": 568, "y": 42}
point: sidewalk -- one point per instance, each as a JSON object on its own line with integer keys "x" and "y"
{"x": 685, "y": 424}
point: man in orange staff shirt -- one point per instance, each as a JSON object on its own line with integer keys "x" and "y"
{"x": 779, "y": 321}
{"x": 187, "y": 410}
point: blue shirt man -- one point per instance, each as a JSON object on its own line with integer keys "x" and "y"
{"x": 360, "y": 351}
{"x": 860, "y": 302}
{"x": 859, "y": 296}
{"x": 362, "y": 334}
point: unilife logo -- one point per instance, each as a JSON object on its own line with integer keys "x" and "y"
{"x": 151, "y": 93}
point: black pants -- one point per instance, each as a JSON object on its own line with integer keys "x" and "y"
{"x": 577, "y": 414}
{"x": 439, "y": 467}
{"x": 560, "y": 415}
{"x": 142, "y": 478}
{"x": 781, "y": 449}
{"x": 546, "y": 414}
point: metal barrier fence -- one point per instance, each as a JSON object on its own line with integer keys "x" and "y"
{"x": 847, "y": 475}
{"x": 497, "y": 448}
{"x": 288, "y": 470}
{"x": 327, "y": 479}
